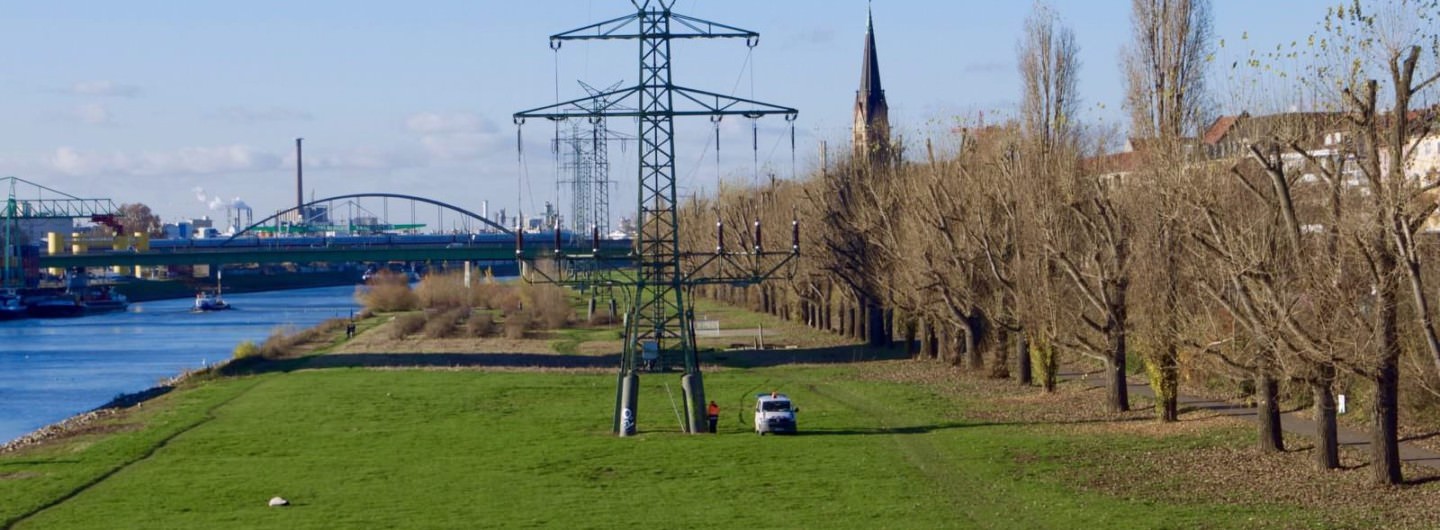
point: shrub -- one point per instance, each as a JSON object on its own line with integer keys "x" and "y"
{"x": 480, "y": 324}
{"x": 407, "y": 324}
{"x": 443, "y": 325}
{"x": 517, "y": 323}
{"x": 549, "y": 304}
{"x": 488, "y": 294}
{"x": 506, "y": 299}
{"x": 601, "y": 318}
{"x": 246, "y": 349}
{"x": 443, "y": 291}
{"x": 388, "y": 292}
{"x": 280, "y": 342}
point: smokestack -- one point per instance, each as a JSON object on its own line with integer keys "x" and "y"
{"x": 299, "y": 183}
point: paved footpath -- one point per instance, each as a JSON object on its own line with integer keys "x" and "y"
{"x": 1293, "y": 422}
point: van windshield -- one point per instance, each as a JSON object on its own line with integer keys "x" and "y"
{"x": 775, "y": 406}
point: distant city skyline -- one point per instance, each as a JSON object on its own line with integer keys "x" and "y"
{"x": 178, "y": 104}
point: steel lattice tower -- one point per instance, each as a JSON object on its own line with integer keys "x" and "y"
{"x": 658, "y": 327}
{"x": 586, "y": 159}
{"x": 576, "y": 149}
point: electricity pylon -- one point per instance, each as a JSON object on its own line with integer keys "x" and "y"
{"x": 585, "y": 152}
{"x": 658, "y": 328}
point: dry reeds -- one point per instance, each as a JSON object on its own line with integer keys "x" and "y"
{"x": 443, "y": 325}
{"x": 406, "y": 325}
{"x": 480, "y": 324}
{"x": 388, "y": 292}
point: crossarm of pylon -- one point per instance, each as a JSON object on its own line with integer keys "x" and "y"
{"x": 700, "y": 103}
{"x": 743, "y": 268}
{"x": 628, "y": 27}
{"x": 597, "y": 106}
{"x": 714, "y": 104}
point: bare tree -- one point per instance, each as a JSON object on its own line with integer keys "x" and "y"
{"x": 1165, "y": 95}
{"x": 1049, "y": 67}
{"x": 1091, "y": 245}
{"x": 1165, "y": 67}
{"x": 1375, "y": 54}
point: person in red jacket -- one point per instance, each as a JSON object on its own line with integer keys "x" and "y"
{"x": 713, "y": 414}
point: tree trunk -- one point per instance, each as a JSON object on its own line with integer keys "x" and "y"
{"x": 1267, "y": 409}
{"x": 1051, "y": 366}
{"x": 910, "y": 346}
{"x": 927, "y": 343}
{"x": 1385, "y": 440}
{"x": 1119, "y": 390}
{"x": 852, "y": 316}
{"x": 1385, "y": 437}
{"x": 827, "y": 314}
{"x": 974, "y": 358}
{"x": 1117, "y": 387}
{"x": 1000, "y": 365}
{"x": 876, "y": 326}
{"x": 891, "y": 326}
{"x": 1327, "y": 437}
{"x": 1022, "y": 359}
{"x": 1169, "y": 391}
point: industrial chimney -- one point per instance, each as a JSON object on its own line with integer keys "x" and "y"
{"x": 299, "y": 184}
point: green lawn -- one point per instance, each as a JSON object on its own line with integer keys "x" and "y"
{"x": 355, "y": 448}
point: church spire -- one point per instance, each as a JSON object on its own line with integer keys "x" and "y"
{"x": 870, "y": 70}
{"x": 872, "y": 114}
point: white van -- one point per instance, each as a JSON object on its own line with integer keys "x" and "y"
{"x": 774, "y": 414}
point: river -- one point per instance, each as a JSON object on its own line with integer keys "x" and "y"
{"x": 51, "y": 369}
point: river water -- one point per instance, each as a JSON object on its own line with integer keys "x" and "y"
{"x": 51, "y": 369}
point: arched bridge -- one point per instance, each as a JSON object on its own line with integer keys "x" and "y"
{"x": 244, "y": 247}
{"x": 328, "y": 200}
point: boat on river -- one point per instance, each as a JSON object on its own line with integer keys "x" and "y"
{"x": 207, "y": 301}
{"x": 11, "y": 307}
{"x": 68, "y": 305}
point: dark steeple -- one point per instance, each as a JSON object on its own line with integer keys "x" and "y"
{"x": 872, "y": 115}
{"x": 870, "y": 88}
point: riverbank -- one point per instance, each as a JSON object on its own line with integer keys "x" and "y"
{"x": 428, "y": 437}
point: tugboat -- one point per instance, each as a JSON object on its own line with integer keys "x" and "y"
{"x": 10, "y": 306}
{"x": 205, "y": 301}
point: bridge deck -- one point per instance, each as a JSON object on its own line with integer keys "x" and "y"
{"x": 221, "y": 256}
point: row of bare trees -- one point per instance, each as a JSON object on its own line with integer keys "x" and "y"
{"x": 1298, "y": 260}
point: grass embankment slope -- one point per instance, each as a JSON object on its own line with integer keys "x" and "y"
{"x": 886, "y": 445}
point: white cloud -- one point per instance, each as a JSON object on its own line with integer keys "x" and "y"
{"x": 247, "y": 115}
{"x": 189, "y": 160}
{"x": 363, "y": 159}
{"x": 92, "y": 114}
{"x": 104, "y": 89}
{"x": 456, "y": 136}
{"x": 449, "y": 123}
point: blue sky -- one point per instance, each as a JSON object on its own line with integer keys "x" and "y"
{"x": 150, "y": 101}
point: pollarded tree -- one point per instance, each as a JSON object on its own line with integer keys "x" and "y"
{"x": 1165, "y": 96}
{"x": 1049, "y": 68}
{"x": 1378, "y": 55}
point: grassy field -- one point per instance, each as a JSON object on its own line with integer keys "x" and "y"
{"x": 367, "y": 448}
{"x": 360, "y": 436}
